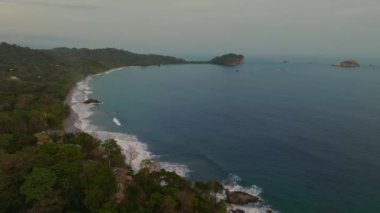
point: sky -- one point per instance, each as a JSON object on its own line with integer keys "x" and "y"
{"x": 343, "y": 28}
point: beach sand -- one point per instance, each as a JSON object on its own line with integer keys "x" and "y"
{"x": 68, "y": 123}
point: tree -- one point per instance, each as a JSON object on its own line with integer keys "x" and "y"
{"x": 99, "y": 185}
{"x": 50, "y": 203}
{"x": 113, "y": 153}
{"x": 38, "y": 184}
{"x": 168, "y": 204}
{"x": 215, "y": 188}
{"x": 186, "y": 200}
{"x": 13, "y": 170}
{"x": 5, "y": 141}
{"x": 50, "y": 154}
{"x": 13, "y": 143}
{"x": 86, "y": 141}
{"x": 10, "y": 197}
{"x": 68, "y": 182}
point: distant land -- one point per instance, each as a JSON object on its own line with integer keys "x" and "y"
{"x": 228, "y": 60}
{"x": 347, "y": 64}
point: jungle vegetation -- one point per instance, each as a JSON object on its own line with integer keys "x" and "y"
{"x": 44, "y": 169}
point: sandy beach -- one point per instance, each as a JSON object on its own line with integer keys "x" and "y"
{"x": 68, "y": 123}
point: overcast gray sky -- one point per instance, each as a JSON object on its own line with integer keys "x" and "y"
{"x": 250, "y": 27}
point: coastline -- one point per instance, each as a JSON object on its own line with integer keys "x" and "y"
{"x": 79, "y": 121}
{"x": 68, "y": 123}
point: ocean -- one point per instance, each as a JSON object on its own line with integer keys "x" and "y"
{"x": 303, "y": 136}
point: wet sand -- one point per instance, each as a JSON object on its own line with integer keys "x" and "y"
{"x": 68, "y": 123}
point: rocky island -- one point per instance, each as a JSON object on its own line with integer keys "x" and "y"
{"x": 241, "y": 198}
{"x": 347, "y": 64}
{"x": 228, "y": 60}
{"x": 92, "y": 101}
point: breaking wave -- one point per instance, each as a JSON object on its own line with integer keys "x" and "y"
{"x": 131, "y": 143}
{"x": 233, "y": 184}
{"x": 132, "y": 147}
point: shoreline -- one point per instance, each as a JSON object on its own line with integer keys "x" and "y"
{"x": 68, "y": 123}
{"x": 78, "y": 121}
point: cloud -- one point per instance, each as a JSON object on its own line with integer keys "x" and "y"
{"x": 53, "y": 4}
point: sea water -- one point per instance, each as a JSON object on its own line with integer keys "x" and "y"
{"x": 305, "y": 136}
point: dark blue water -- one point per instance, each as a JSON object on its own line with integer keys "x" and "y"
{"x": 307, "y": 134}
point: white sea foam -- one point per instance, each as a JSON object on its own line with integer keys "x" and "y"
{"x": 180, "y": 169}
{"x": 130, "y": 144}
{"x": 116, "y": 121}
{"x": 111, "y": 71}
{"x": 83, "y": 111}
{"x": 232, "y": 184}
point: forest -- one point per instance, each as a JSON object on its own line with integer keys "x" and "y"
{"x": 44, "y": 169}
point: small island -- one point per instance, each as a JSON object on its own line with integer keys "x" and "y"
{"x": 92, "y": 101}
{"x": 241, "y": 198}
{"x": 228, "y": 60}
{"x": 347, "y": 64}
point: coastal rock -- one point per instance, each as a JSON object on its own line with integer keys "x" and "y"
{"x": 241, "y": 198}
{"x": 347, "y": 64}
{"x": 92, "y": 101}
{"x": 236, "y": 211}
{"x": 228, "y": 60}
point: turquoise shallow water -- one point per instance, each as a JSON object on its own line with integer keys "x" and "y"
{"x": 307, "y": 134}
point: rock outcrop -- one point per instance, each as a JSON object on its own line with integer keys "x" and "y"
{"x": 236, "y": 211}
{"x": 92, "y": 101}
{"x": 241, "y": 198}
{"x": 228, "y": 60}
{"x": 348, "y": 64}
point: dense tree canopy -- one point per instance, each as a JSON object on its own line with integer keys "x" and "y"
{"x": 43, "y": 169}
{"x": 38, "y": 184}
